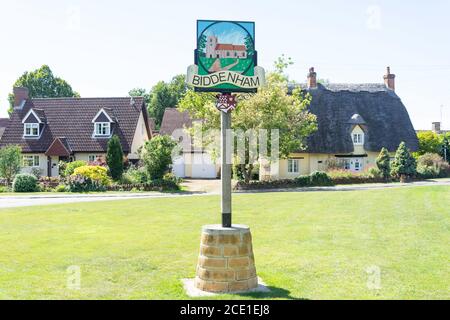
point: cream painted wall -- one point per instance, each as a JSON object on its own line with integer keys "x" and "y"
{"x": 140, "y": 136}
{"x": 42, "y": 163}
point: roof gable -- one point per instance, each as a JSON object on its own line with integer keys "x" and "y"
{"x": 102, "y": 116}
{"x": 31, "y": 117}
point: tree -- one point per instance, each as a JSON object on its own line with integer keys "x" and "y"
{"x": 429, "y": 142}
{"x": 10, "y": 162}
{"x": 140, "y": 92}
{"x": 41, "y": 83}
{"x": 270, "y": 109}
{"x": 445, "y": 148}
{"x": 384, "y": 163}
{"x": 248, "y": 41}
{"x": 404, "y": 164}
{"x": 202, "y": 45}
{"x": 166, "y": 95}
{"x": 157, "y": 156}
{"x": 114, "y": 158}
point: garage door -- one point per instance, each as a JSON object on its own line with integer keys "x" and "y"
{"x": 203, "y": 167}
{"x": 178, "y": 167}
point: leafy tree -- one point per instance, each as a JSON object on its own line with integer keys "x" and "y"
{"x": 157, "y": 156}
{"x": 429, "y": 142}
{"x": 114, "y": 158}
{"x": 384, "y": 163}
{"x": 445, "y": 147}
{"x": 41, "y": 83}
{"x": 202, "y": 44}
{"x": 271, "y": 108}
{"x": 140, "y": 92}
{"x": 404, "y": 164}
{"x": 10, "y": 162}
{"x": 166, "y": 95}
{"x": 248, "y": 41}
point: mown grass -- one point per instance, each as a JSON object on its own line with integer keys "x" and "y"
{"x": 313, "y": 245}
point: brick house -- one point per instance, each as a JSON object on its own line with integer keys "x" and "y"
{"x": 50, "y": 130}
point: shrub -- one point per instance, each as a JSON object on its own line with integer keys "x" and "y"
{"x": 135, "y": 175}
{"x": 432, "y": 165}
{"x": 384, "y": 163}
{"x": 376, "y": 173}
{"x": 4, "y": 189}
{"x": 61, "y": 188}
{"x": 25, "y": 183}
{"x": 114, "y": 158}
{"x": 10, "y": 162}
{"x": 78, "y": 183}
{"x": 157, "y": 156}
{"x": 404, "y": 164}
{"x": 320, "y": 178}
{"x": 71, "y": 166}
{"x": 97, "y": 174}
{"x": 302, "y": 181}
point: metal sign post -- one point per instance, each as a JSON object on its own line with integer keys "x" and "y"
{"x": 225, "y": 65}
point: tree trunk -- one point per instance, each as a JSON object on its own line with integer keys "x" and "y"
{"x": 403, "y": 178}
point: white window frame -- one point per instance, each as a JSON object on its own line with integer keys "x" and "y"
{"x": 33, "y": 159}
{"x": 95, "y": 156}
{"x": 102, "y": 129}
{"x": 293, "y": 166}
{"x": 31, "y": 127}
{"x": 358, "y": 138}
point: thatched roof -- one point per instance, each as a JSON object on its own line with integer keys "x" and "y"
{"x": 377, "y": 109}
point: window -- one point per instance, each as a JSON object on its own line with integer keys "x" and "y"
{"x": 358, "y": 138}
{"x": 94, "y": 157}
{"x": 30, "y": 161}
{"x": 293, "y": 165}
{"x": 31, "y": 129}
{"x": 102, "y": 129}
{"x": 347, "y": 164}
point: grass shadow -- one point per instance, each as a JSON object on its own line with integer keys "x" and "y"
{"x": 274, "y": 293}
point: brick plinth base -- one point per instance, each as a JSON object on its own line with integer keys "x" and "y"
{"x": 226, "y": 262}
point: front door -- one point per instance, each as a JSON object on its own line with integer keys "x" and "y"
{"x": 356, "y": 165}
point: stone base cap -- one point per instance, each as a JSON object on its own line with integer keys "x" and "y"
{"x": 218, "y": 229}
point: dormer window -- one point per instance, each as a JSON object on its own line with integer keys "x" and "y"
{"x": 102, "y": 129}
{"x": 102, "y": 124}
{"x": 31, "y": 130}
{"x": 358, "y": 138}
{"x": 33, "y": 124}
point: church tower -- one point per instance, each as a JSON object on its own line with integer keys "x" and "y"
{"x": 211, "y": 44}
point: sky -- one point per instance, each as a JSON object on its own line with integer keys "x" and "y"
{"x": 106, "y": 48}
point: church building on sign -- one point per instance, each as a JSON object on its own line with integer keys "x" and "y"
{"x": 214, "y": 49}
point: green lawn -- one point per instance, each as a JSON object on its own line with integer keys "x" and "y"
{"x": 312, "y": 245}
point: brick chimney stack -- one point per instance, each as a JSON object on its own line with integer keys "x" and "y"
{"x": 389, "y": 79}
{"x": 436, "y": 127}
{"x": 20, "y": 94}
{"x": 312, "y": 79}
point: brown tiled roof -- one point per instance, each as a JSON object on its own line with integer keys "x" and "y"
{"x": 222, "y": 46}
{"x": 59, "y": 147}
{"x": 174, "y": 119}
{"x": 72, "y": 118}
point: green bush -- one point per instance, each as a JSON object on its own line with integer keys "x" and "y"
{"x": 157, "y": 156}
{"x": 114, "y": 158}
{"x": 384, "y": 163}
{"x": 61, "y": 188}
{"x": 302, "y": 181}
{"x": 71, "y": 166}
{"x": 432, "y": 165}
{"x": 404, "y": 165}
{"x": 135, "y": 175}
{"x": 25, "y": 183}
{"x": 4, "y": 189}
{"x": 89, "y": 178}
{"x": 320, "y": 178}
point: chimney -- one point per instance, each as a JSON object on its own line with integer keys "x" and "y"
{"x": 312, "y": 79}
{"x": 20, "y": 95}
{"x": 436, "y": 127}
{"x": 389, "y": 79}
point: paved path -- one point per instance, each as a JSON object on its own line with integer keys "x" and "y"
{"x": 196, "y": 188}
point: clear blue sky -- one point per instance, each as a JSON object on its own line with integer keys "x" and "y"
{"x": 105, "y": 48}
